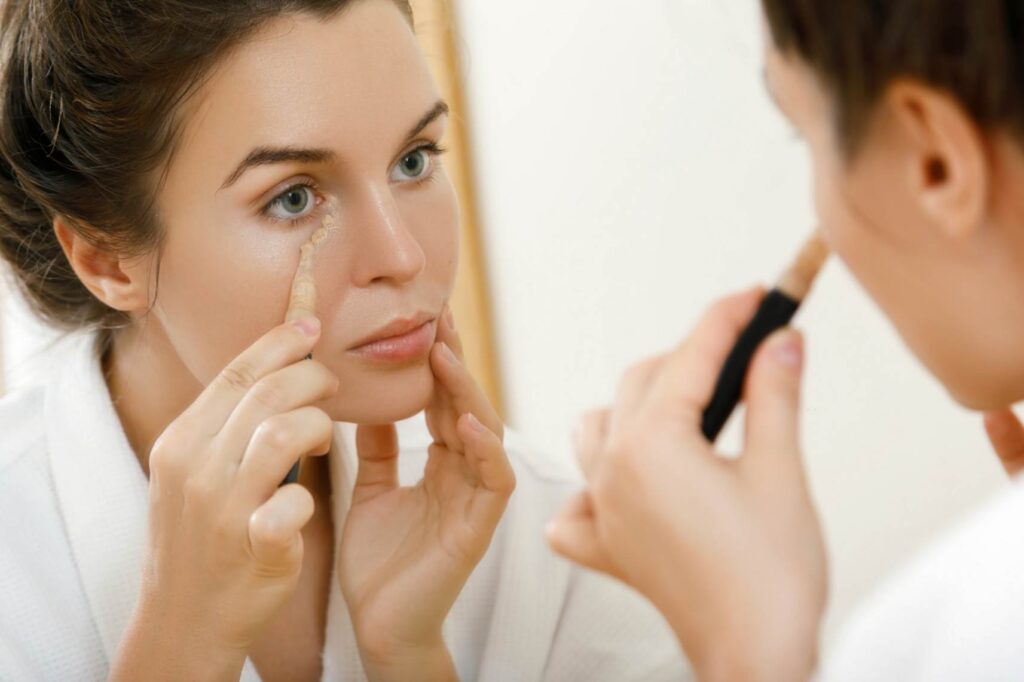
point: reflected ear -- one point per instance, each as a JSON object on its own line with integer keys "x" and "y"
{"x": 948, "y": 161}
{"x": 113, "y": 281}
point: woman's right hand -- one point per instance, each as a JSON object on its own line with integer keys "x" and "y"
{"x": 225, "y": 546}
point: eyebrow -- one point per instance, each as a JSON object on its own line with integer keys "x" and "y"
{"x": 261, "y": 156}
{"x": 439, "y": 110}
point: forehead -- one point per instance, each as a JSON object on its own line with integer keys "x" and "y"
{"x": 341, "y": 82}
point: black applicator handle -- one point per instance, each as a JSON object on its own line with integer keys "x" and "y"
{"x": 775, "y": 312}
{"x": 293, "y": 473}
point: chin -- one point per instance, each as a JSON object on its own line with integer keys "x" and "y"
{"x": 382, "y": 395}
{"x": 984, "y": 393}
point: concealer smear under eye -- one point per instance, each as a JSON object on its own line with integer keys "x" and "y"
{"x": 302, "y": 302}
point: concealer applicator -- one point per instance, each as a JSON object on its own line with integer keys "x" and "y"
{"x": 302, "y": 302}
{"x": 776, "y": 310}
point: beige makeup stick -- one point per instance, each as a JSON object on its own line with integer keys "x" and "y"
{"x": 776, "y": 310}
{"x": 302, "y": 301}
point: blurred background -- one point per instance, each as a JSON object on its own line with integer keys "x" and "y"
{"x": 624, "y": 168}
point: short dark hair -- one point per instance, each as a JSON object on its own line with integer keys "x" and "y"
{"x": 971, "y": 49}
{"x": 89, "y": 91}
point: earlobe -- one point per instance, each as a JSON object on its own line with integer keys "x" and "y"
{"x": 948, "y": 158}
{"x": 101, "y": 271}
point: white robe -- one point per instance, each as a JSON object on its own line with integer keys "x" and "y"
{"x": 73, "y": 516}
{"x": 954, "y": 613}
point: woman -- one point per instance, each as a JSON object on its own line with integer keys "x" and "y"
{"x": 913, "y": 115}
{"x": 162, "y": 163}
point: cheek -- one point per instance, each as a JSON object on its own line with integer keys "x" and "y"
{"x": 916, "y": 279}
{"x": 849, "y": 211}
{"x": 433, "y": 219}
{"x": 217, "y": 295}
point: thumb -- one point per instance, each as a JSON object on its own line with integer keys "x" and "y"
{"x": 573, "y": 534}
{"x": 773, "y": 397}
{"x": 1007, "y": 437}
{"x": 377, "y": 447}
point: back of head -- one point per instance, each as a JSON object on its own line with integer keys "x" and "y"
{"x": 974, "y": 50}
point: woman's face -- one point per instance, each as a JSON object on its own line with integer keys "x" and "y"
{"x": 954, "y": 298}
{"x": 309, "y": 110}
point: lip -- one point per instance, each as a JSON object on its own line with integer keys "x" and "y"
{"x": 400, "y": 340}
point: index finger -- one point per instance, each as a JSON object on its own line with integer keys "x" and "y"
{"x": 688, "y": 375}
{"x": 281, "y": 346}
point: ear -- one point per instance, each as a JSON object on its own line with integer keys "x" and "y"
{"x": 948, "y": 161}
{"x": 120, "y": 284}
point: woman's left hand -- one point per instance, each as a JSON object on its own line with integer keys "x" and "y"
{"x": 730, "y": 551}
{"x": 406, "y": 552}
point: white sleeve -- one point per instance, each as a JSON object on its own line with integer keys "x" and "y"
{"x": 608, "y": 632}
{"x": 14, "y": 668}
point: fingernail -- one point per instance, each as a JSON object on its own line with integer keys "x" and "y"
{"x": 310, "y": 326}
{"x": 448, "y": 354}
{"x": 475, "y": 424}
{"x": 789, "y": 350}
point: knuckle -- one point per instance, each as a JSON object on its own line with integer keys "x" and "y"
{"x": 594, "y": 417}
{"x": 164, "y": 456}
{"x": 507, "y": 486}
{"x": 324, "y": 424}
{"x": 619, "y": 446}
{"x": 636, "y": 372}
{"x": 268, "y": 535}
{"x": 276, "y": 433}
{"x": 720, "y": 308}
{"x": 269, "y": 395}
{"x": 239, "y": 375}
{"x": 594, "y": 424}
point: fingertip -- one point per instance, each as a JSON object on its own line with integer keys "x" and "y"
{"x": 778, "y": 361}
{"x": 995, "y": 424}
{"x": 554, "y": 534}
{"x": 551, "y": 535}
{"x": 471, "y": 425}
{"x": 442, "y": 359}
{"x": 308, "y": 325}
{"x": 786, "y": 349}
{"x": 999, "y": 421}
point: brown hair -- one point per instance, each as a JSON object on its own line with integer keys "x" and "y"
{"x": 89, "y": 90}
{"x": 972, "y": 49}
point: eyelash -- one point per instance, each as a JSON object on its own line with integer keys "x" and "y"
{"x": 431, "y": 148}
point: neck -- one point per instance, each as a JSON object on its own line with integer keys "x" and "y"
{"x": 148, "y": 383}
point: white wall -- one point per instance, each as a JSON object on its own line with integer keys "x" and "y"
{"x": 631, "y": 170}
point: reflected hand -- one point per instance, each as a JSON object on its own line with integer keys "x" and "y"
{"x": 731, "y": 552}
{"x": 407, "y": 552}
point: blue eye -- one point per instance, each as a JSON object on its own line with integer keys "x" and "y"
{"x": 413, "y": 166}
{"x": 291, "y": 204}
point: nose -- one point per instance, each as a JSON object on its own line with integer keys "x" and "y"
{"x": 386, "y": 250}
